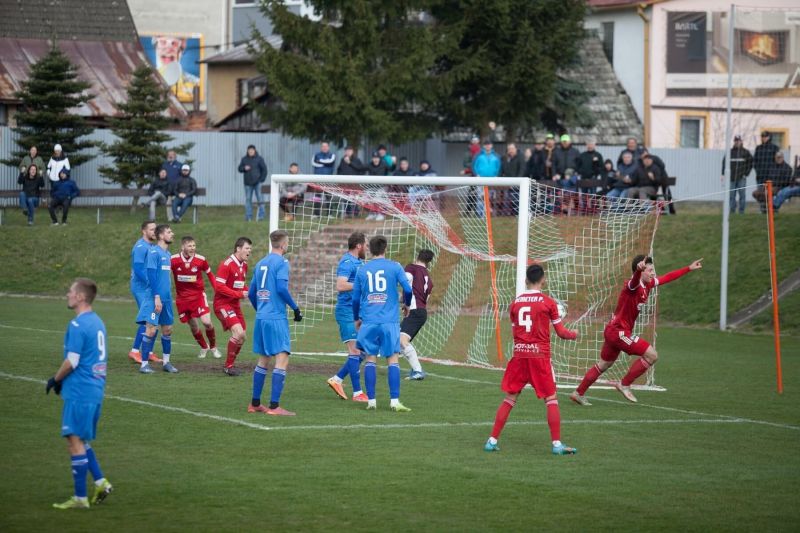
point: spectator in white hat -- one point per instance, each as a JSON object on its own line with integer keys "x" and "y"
{"x": 183, "y": 192}
{"x": 57, "y": 163}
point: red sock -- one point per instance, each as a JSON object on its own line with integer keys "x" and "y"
{"x": 502, "y": 416}
{"x": 590, "y": 377}
{"x": 198, "y": 336}
{"x": 233, "y": 351}
{"x": 212, "y": 337}
{"x": 638, "y": 368}
{"x": 554, "y": 419}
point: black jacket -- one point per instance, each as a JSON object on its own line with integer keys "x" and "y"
{"x": 534, "y": 169}
{"x": 741, "y": 163}
{"x": 31, "y": 187}
{"x": 590, "y": 165}
{"x": 186, "y": 185}
{"x": 764, "y": 160}
{"x": 643, "y": 178}
{"x": 381, "y": 169}
{"x": 258, "y": 169}
{"x": 565, "y": 158}
{"x": 512, "y": 168}
{"x": 163, "y": 186}
{"x": 780, "y": 174}
{"x": 354, "y": 168}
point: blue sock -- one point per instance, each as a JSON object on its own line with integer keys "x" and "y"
{"x": 80, "y": 466}
{"x": 137, "y": 340}
{"x": 94, "y": 466}
{"x": 166, "y": 344}
{"x": 259, "y": 376}
{"x": 278, "y": 378}
{"x": 370, "y": 377}
{"x": 394, "y": 381}
{"x": 354, "y": 362}
{"x": 147, "y": 346}
{"x": 342, "y": 373}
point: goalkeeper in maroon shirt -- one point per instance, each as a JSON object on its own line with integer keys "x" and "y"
{"x": 618, "y": 334}
{"x": 532, "y": 313}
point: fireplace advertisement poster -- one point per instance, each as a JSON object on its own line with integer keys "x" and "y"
{"x": 175, "y": 57}
{"x": 766, "y": 54}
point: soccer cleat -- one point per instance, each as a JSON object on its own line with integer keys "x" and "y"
{"x": 256, "y": 409}
{"x": 400, "y": 408}
{"x": 279, "y": 411}
{"x": 169, "y": 368}
{"x": 361, "y": 397}
{"x": 371, "y": 406}
{"x": 560, "y": 449}
{"x": 135, "y": 356}
{"x": 231, "y": 371}
{"x": 146, "y": 370}
{"x": 202, "y": 354}
{"x": 73, "y": 503}
{"x": 216, "y": 353}
{"x": 579, "y": 399}
{"x": 101, "y": 492}
{"x": 489, "y": 447}
{"x": 337, "y": 388}
{"x": 154, "y": 358}
{"x": 626, "y": 392}
{"x": 416, "y": 376}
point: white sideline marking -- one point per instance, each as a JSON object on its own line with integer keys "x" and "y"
{"x": 452, "y": 378}
{"x": 427, "y": 425}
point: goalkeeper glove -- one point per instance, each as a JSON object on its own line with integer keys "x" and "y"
{"x": 54, "y": 385}
{"x": 298, "y": 316}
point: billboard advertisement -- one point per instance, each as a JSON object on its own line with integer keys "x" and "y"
{"x": 175, "y": 57}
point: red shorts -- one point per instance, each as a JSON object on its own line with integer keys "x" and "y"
{"x": 538, "y": 371}
{"x": 192, "y": 307}
{"x": 617, "y": 340}
{"x": 229, "y": 316}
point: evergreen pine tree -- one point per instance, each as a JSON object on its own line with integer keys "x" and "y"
{"x": 139, "y": 150}
{"x": 47, "y": 116}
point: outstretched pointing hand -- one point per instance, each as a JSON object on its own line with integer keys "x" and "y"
{"x": 696, "y": 265}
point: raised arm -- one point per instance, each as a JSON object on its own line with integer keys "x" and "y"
{"x": 675, "y": 274}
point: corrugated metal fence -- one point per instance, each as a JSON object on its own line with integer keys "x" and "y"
{"x": 216, "y": 157}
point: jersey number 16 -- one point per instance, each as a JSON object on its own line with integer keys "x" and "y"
{"x": 379, "y": 282}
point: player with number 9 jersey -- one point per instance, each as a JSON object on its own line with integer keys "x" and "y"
{"x": 85, "y": 342}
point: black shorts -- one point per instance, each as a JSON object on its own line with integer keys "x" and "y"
{"x": 413, "y": 322}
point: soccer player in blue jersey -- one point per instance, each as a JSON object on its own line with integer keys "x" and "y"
{"x": 139, "y": 286}
{"x": 157, "y": 308}
{"x": 375, "y": 297}
{"x": 345, "y": 276}
{"x": 269, "y": 294}
{"x": 81, "y": 381}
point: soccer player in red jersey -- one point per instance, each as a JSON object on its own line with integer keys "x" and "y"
{"x": 191, "y": 301}
{"x": 531, "y": 315}
{"x": 231, "y": 286}
{"x": 618, "y": 334}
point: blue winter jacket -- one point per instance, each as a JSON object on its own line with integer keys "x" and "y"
{"x": 63, "y": 189}
{"x": 486, "y": 165}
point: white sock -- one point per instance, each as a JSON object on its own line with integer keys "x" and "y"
{"x": 411, "y": 354}
{"x": 357, "y": 392}
{"x": 492, "y": 440}
{"x": 100, "y": 481}
{"x": 145, "y": 364}
{"x": 135, "y": 350}
{"x": 556, "y": 443}
{"x": 394, "y": 402}
{"x": 165, "y": 357}
{"x": 336, "y": 379}
{"x": 372, "y": 403}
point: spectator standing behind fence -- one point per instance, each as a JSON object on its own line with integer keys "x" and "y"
{"x": 350, "y": 165}
{"x": 292, "y": 195}
{"x": 626, "y": 172}
{"x": 512, "y": 166}
{"x": 389, "y": 159}
{"x": 183, "y": 193}
{"x": 741, "y": 165}
{"x": 173, "y": 168}
{"x": 590, "y": 163}
{"x": 792, "y": 189}
{"x": 32, "y": 184}
{"x": 403, "y": 171}
{"x": 254, "y": 169}
{"x": 535, "y": 167}
{"x": 158, "y": 193}
{"x": 61, "y": 195}
{"x": 324, "y": 164}
{"x": 565, "y": 162}
{"x": 376, "y": 167}
{"x": 486, "y": 165}
{"x": 763, "y": 163}
{"x": 470, "y": 153}
{"x": 56, "y": 163}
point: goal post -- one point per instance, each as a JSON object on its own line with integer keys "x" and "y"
{"x": 484, "y": 233}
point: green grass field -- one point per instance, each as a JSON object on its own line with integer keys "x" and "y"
{"x": 716, "y": 452}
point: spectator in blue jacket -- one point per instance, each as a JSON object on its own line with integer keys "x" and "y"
{"x": 254, "y": 169}
{"x": 324, "y": 161}
{"x": 485, "y": 165}
{"x": 61, "y": 195}
{"x": 173, "y": 168}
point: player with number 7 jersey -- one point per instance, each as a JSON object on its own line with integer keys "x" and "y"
{"x": 532, "y": 313}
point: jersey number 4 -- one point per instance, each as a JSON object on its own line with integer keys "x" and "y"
{"x": 524, "y": 318}
{"x": 378, "y": 284}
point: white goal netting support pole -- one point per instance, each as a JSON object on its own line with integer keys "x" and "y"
{"x": 483, "y": 233}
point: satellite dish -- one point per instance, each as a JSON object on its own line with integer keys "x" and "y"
{"x": 171, "y": 73}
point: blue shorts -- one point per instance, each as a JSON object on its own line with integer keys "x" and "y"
{"x": 271, "y": 337}
{"x": 140, "y": 297}
{"x": 80, "y": 419}
{"x": 380, "y": 339}
{"x": 347, "y": 327}
{"x": 147, "y": 313}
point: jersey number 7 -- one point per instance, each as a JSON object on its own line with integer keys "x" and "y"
{"x": 263, "y": 276}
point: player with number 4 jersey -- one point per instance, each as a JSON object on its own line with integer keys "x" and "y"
{"x": 532, "y": 313}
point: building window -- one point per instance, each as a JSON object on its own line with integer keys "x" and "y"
{"x": 250, "y": 89}
{"x": 779, "y": 137}
{"x": 692, "y": 132}
{"x": 244, "y": 2}
{"x": 608, "y": 41}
